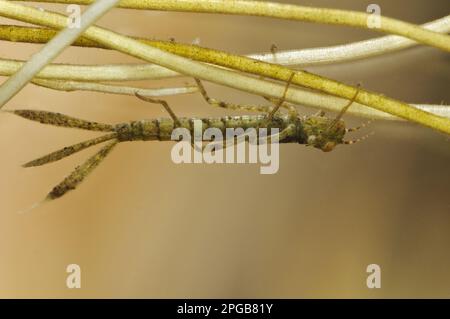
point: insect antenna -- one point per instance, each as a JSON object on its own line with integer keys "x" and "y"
{"x": 227, "y": 105}
{"x": 58, "y": 119}
{"x": 358, "y": 139}
{"x": 354, "y": 129}
{"x": 81, "y": 172}
{"x": 69, "y": 150}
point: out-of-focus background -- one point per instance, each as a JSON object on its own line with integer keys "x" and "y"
{"x": 141, "y": 226}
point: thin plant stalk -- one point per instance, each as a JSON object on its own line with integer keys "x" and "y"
{"x": 302, "y": 57}
{"x": 225, "y": 77}
{"x": 69, "y": 86}
{"x": 52, "y": 49}
{"x": 290, "y": 12}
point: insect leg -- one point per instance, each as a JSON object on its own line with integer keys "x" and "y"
{"x": 81, "y": 172}
{"x": 164, "y": 104}
{"x": 291, "y": 109}
{"x": 345, "y": 108}
{"x": 288, "y": 131}
{"x": 285, "y": 133}
{"x": 226, "y": 142}
{"x": 230, "y": 106}
{"x": 281, "y": 101}
{"x": 320, "y": 113}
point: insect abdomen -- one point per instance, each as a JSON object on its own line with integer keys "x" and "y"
{"x": 161, "y": 129}
{"x": 144, "y": 130}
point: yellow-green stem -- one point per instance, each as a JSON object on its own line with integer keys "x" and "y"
{"x": 224, "y": 77}
{"x": 287, "y": 11}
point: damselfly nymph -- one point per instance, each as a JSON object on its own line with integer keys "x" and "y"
{"x": 316, "y": 130}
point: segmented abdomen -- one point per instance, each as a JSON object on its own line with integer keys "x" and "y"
{"x": 162, "y": 128}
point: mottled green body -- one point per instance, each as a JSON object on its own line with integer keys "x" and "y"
{"x": 310, "y": 130}
{"x": 316, "y": 130}
{"x": 161, "y": 129}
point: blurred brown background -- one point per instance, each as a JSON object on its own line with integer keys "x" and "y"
{"x": 141, "y": 226}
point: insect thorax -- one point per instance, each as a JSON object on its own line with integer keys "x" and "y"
{"x": 322, "y": 132}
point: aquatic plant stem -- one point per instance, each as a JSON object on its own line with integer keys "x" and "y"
{"x": 228, "y": 78}
{"x": 287, "y": 11}
{"x": 52, "y": 49}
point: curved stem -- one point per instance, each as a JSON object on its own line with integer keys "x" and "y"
{"x": 52, "y": 49}
{"x": 106, "y": 72}
{"x": 303, "y": 57}
{"x": 228, "y": 78}
{"x": 69, "y": 86}
{"x": 351, "y": 51}
{"x": 65, "y": 73}
{"x": 287, "y": 11}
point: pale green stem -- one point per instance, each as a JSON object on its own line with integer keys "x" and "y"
{"x": 225, "y": 77}
{"x": 122, "y": 73}
{"x": 52, "y": 49}
{"x": 302, "y": 97}
{"x": 113, "y": 89}
{"x": 351, "y": 51}
{"x": 107, "y": 72}
{"x": 287, "y": 11}
{"x": 303, "y": 57}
